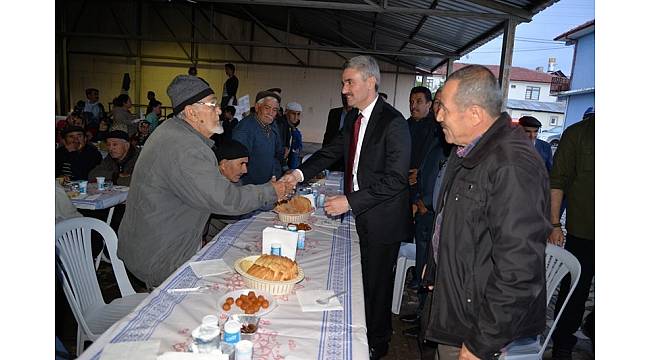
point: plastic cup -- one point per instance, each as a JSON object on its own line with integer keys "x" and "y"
{"x": 100, "y": 183}
{"x": 244, "y": 350}
{"x": 83, "y": 187}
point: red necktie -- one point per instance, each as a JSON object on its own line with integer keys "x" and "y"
{"x": 352, "y": 152}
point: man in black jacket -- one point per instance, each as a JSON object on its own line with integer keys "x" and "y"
{"x": 335, "y": 121}
{"x": 75, "y": 158}
{"x": 488, "y": 247}
{"x": 375, "y": 145}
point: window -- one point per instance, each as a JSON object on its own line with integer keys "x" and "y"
{"x": 553, "y": 120}
{"x": 513, "y": 86}
{"x": 532, "y": 92}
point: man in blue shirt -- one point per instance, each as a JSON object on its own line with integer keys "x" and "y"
{"x": 261, "y": 136}
{"x": 531, "y": 126}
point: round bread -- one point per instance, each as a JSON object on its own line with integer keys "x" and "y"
{"x": 297, "y": 205}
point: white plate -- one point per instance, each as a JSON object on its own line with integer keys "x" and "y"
{"x": 234, "y": 309}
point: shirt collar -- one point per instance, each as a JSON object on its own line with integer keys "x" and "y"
{"x": 463, "y": 151}
{"x": 368, "y": 110}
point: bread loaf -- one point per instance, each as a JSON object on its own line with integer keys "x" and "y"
{"x": 274, "y": 268}
{"x": 297, "y": 205}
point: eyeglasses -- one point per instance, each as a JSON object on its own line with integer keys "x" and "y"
{"x": 213, "y": 105}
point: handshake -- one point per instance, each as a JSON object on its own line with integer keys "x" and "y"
{"x": 286, "y": 186}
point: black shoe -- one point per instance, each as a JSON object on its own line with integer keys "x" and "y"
{"x": 412, "y": 332}
{"x": 410, "y": 318}
{"x": 378, "y": 351}
{"x": 561, "y": 354}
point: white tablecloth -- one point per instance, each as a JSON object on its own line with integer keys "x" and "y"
{"x": 106, "y": 199}
{"x": 331, "y": 260}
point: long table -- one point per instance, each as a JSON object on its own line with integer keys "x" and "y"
{"x": 331, "y": 260}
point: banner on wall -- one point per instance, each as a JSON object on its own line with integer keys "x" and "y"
{"x": 243, "y": 107}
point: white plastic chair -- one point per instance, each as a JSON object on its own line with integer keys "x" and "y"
{"x": 559, "y": 262}
{"x": 403, "y": 263}
{"x": 74, "y": 266}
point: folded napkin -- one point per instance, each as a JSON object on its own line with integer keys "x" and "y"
{"x": 307, "y": 300}
{"x": 132, "y": 350}
{"x": 190, "y": 356}
{"x": 210, "y": 267}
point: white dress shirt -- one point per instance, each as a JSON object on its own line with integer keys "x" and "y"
{"x": 362, "y": 131}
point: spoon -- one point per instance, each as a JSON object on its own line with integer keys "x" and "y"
{"x": 326, "y": 300}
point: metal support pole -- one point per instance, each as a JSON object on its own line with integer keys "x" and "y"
{"x": 506, "y": 58}
{"x": 395, "y": 88}
{"x": 450, "y": 67}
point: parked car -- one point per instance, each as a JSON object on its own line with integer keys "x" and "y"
{"x": 551, "y": 136}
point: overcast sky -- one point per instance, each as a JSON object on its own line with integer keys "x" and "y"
{"x": 534, "y": 43}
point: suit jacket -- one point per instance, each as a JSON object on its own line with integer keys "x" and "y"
{"x": 331, "y": 130}
{"x": 436, "y": 155}
{"x": 381, "y": 205}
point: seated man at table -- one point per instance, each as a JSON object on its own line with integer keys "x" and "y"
{"x": 175, "y": 187}
{"x": 120, "y": 162}
{"x": 233, "y": 160}
{"x": 75, "y": 158}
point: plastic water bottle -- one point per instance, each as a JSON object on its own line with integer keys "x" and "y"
{"x": 301, "y": 240}
{"x": 276, "y": 249}
{"x": 232, "y": 331}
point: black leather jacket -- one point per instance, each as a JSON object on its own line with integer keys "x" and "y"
{"x": 490, "y": 277}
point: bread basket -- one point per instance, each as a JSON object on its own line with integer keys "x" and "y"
{"x": 295, "y": 218}
{"x": 273, "y": 287}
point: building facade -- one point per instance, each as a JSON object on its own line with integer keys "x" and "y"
{"x": 529, "y": 94}
{"x": 582, "y": 89}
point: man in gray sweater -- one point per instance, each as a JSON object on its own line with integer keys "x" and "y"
{"x": 176, "y": 185}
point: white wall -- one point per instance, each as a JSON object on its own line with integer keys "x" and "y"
{"x": 519, "y": 91}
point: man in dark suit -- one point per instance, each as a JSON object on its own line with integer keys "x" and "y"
{"x": 335, "y": 120}
{"x": 375, "y": 145}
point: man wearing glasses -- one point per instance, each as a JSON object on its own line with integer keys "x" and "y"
{"x": 261, "y": 136}
{"x": 175, "y": 187}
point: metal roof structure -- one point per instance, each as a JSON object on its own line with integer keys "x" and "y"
{"x": 415, "y": 35}
{"x": 553, "y": 107}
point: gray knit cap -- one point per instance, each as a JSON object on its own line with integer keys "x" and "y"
{"x": 186, "y": 90}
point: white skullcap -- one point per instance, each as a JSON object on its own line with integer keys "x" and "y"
{"x": 294, "y": 106}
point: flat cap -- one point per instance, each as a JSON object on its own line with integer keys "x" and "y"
{"x": 529, "y": 121}
{"x": 118, "y": 134}
{"x": 263, "y": 94}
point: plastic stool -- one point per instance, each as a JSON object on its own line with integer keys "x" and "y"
{"x": 403, "y": 263}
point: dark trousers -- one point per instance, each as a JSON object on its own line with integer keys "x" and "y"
{"x": 584, "y": 251}
{"x": 377, "y": 263}
{"x": 423, "y": 233}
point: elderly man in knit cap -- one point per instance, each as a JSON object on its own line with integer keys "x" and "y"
{"x": 294, "y": 110}
{"x": 531, "y": 126}
{"x": 261, "y": 136}
{"x": 120, "y": 162}
{"x": 176, "y": 186}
